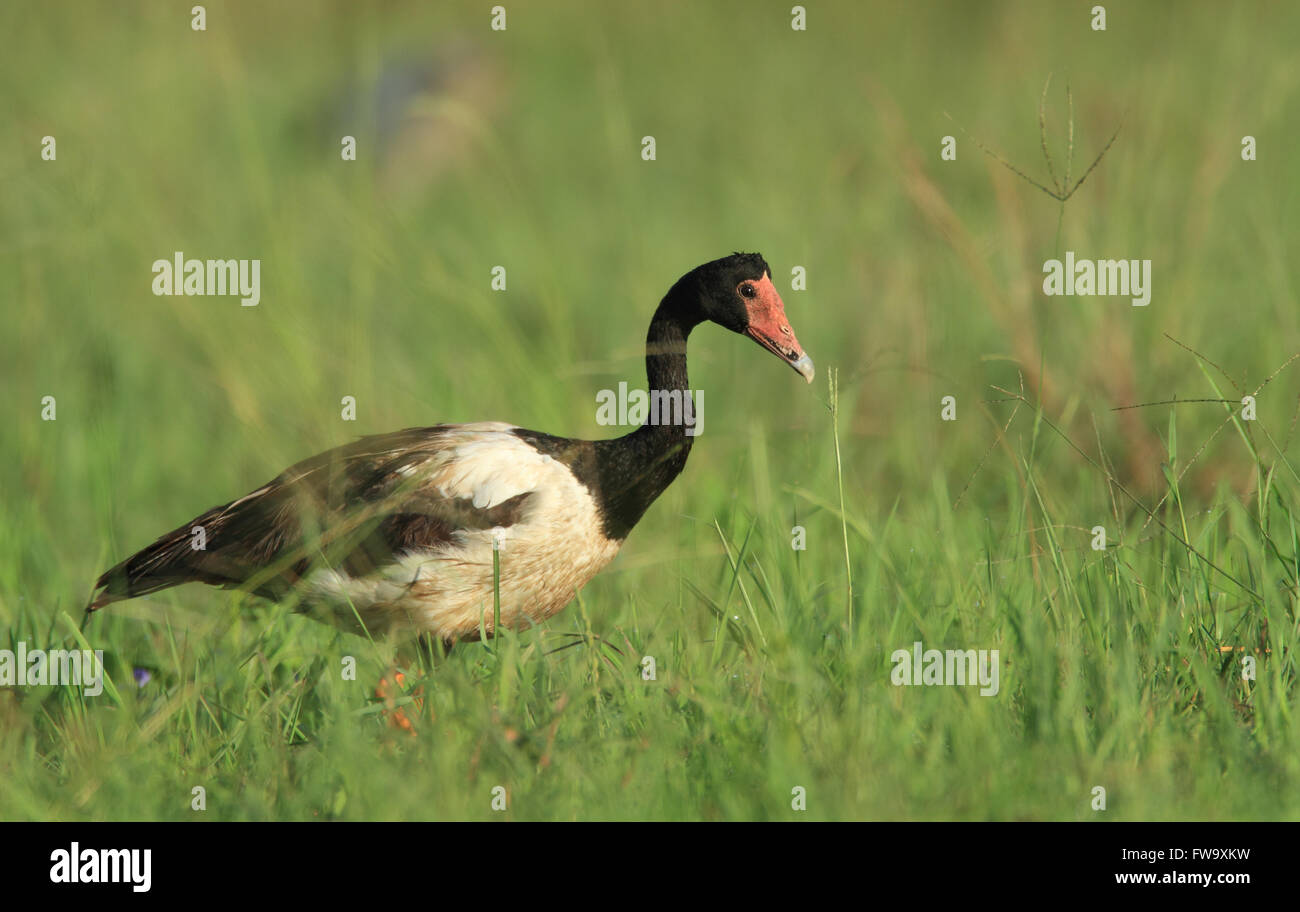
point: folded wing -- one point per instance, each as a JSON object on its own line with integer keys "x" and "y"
{"x": 354, "y": 508}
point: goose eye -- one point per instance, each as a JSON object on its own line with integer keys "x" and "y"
{"x": 747, "y": 290}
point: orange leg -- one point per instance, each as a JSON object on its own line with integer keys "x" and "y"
{"x": 389, "y": 687}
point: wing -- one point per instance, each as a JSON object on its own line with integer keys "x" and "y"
{"x": 355, "y": 507}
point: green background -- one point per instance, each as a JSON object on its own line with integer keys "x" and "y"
{"x": 818, "y": 148}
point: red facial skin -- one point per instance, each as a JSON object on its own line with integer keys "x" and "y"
{"x": 769, "y": 327}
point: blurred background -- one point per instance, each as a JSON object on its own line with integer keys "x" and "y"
{"x": 522, "y": 148}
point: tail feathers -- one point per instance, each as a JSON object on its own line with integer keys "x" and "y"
{"x": 119, "y": 584}
{"x": 170, "y": 561}
{"x": 102, "y": 599}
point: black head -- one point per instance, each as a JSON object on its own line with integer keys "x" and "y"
{"x": 737, "y": 292}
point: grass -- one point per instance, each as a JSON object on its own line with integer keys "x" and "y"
{"x": 1120, "y": 668}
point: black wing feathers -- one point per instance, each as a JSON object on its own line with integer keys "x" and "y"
{"x": 355, "y": 506}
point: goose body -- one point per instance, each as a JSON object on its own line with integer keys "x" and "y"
{"x": 395, "y": 533}
{"x": 481, "y": 487}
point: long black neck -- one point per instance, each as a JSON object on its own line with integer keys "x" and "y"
{"x": 636, "y": 468}
{"x": 626, "y": 474}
